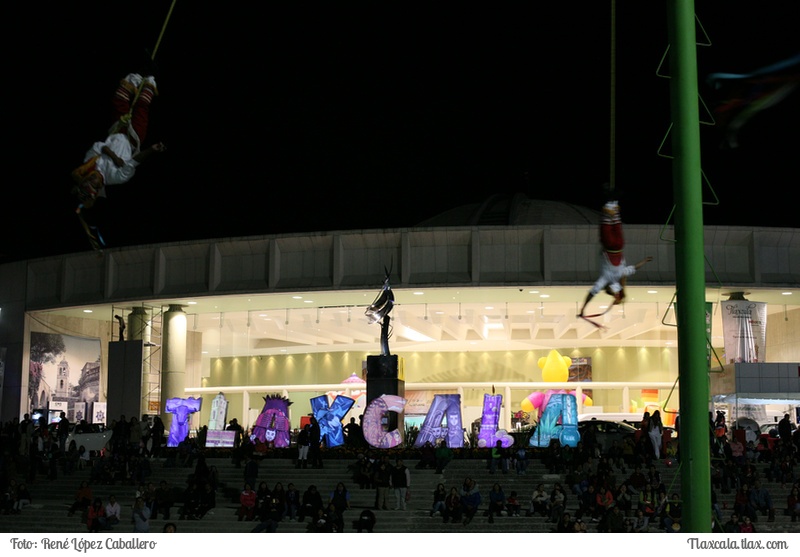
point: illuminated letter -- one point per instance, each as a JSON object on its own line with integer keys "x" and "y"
{"x": 562, "y": 406}
{"x": 375, "y": 418}
{"x": 272, "y": 425}
{"x": 489, "y": 435}
{"x": 330, "y": 419}
{"x": 432, "y": 429}
{"x": 181, "y": 408}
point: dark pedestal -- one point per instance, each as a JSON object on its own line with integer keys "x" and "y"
{"x": 385, "y": 377}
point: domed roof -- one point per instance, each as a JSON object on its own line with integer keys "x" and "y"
{"x": 514, "y": 210}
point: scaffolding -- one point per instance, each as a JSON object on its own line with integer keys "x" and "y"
{"x": 143, "y": 323}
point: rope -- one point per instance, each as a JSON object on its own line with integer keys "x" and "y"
{"x": 163, "y": 28}
{"x": 126, "y": 118}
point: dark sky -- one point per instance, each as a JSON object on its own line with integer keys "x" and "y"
{"x": 285, "y": 118}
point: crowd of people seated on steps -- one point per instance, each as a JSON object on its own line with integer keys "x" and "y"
{"x": 618, "y": 489}
{"x": 741, "y": 469}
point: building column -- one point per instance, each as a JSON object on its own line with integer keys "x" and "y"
{"x": 173, "y": 357}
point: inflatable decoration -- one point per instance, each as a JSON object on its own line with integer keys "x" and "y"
{"x": 272, "y": 425}
{"x": 564, "y": 408}
{"x": 181, "y": 408}
{"x": 489, "y": 435}
{"x": 432, "y": 430}
{"x": 330, "y": 418}
{"x": 375, "y": 418}
{"x": 555, "y": 369}
{"x": 219, "y": 413}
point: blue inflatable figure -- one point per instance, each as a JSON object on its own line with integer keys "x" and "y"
{"x": 330, "y": 418}
{"x": 563, "y": 406}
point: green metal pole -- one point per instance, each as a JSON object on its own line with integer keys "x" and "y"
{"x": 690, "y": 269}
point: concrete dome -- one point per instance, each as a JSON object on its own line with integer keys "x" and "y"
{"x": 514, "y": 210}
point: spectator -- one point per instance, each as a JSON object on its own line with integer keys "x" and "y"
{"x": 141, "y": 516}
{"x": 761, "y": 500}
{"x": 512, "y": 504}
{"x": 292, "y": 502}
{"x": 303, "y": 444}
{"x": 63, "y": 432}
{"x": 439, "y": 495}
{"x": 340, "y": 500}
{"x": 443, "y": 456}
{"x": 785, "y": 428}
{"x": 497, "y": 502}
{"x": 613, "y": 521}
{"x": 163, "y": 500}
{"x": 83, "y": 498}
{"x": 207, "y": 501}
{"x": 365, "y": 522}
{"x": 401, "y": 482}
{"x": 247, "y": 503}
{"x": 250, "y": 470}
{"x": 733, "y": 526}
{"x": 737, "y": 451}
{"x": 270, "y": 515}
{"x": 452, "y": 507}
{"x": 539, "y": 499}
{"x": 793, "y": 504}
{"x": 674, "y": 512}
{"x": 557, "y": 503}
{"x": 521, "y": 461}
{"x": 96, "y": 516}
{"x": 113, "y": 511}
{"x": 565, "y": 524}
{"x": 311, "y": 504}
{"x": 382, "y": 478}
{"x": 470, "y": 499}
{"x": 747, "y": 526}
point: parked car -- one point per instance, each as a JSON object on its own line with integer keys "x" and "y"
{"x": 606, "y": 431}
{"x": 94, "y": 440}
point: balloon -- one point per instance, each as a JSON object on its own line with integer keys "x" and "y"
{"x": 555, "y": 367}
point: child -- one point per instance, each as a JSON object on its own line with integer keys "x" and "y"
{"x": 512, "y": 505}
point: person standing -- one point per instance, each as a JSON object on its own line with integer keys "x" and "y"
{"x": 314, "y": 440}
{"x": 156, "y": 437}
{"x": 655, "y": 431}
{"x": 26, "y": 428}
{"x": 400, "y": 482}
{"x": 785, "y": 431}
{"x": 382, "y": 479}
{"x": 63, "y": 433}
{"x": 303, "y": 444}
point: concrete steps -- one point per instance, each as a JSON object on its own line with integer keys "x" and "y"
{"x": 51, "y": 498}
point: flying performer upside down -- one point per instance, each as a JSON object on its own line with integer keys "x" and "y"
{"x": 114, "y": 161}
{"x": 614, "y": 270}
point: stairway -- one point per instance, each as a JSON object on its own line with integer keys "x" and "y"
{"x": 51, "y": 498}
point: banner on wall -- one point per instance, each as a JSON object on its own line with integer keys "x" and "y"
{"x": 744, "y": 329}
{"x": 62, "y": 368}
{"x": 581, "y": 371}
{"x": 99, "y": 413}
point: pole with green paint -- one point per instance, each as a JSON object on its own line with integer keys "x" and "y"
{"x": 690, "y": 269}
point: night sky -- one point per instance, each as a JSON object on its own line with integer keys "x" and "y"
{"x": 282, "y": 119}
